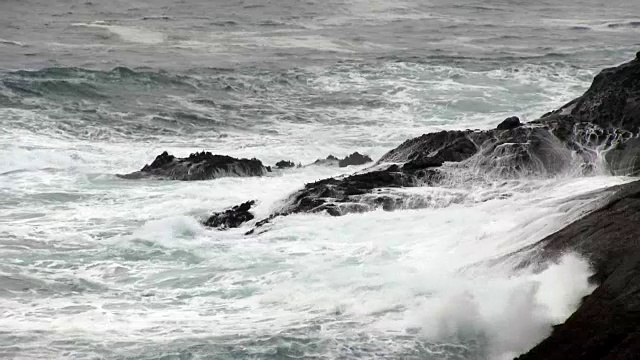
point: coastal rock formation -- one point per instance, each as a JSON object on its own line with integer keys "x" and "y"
{"x": 354, "y": 159}
{"x": 329, "y": 161}
{"x": 613, "y": 100}
{"x": 509, "y": 123}
{"x": 231, "y": 218}
{"x": 285, "y": 164}
{"x": 607, "y": 323}
{"x": 198, "y": 166}
{"x": 598, "y": 132}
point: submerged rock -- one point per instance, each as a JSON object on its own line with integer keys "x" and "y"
{"x": 231, "y": 218}
{"x": 607, "y": 323}
{"x": 198, "y": 166}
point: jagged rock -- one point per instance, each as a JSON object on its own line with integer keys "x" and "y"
{"x": 574, "y": 138}
{"x": 509, "y": 123}
{"x": 198, "y": 166}
{"x": 613, "y": 100}
{"x": 607, "y": 323}
{"x": 354, "y": 159}
{"x": 282, "y": 164}
{"x": 231, "y": 218}
{"x": 329, "y": 161}
{"x": 339, "y": 196}
{"x": 443, "y": 145}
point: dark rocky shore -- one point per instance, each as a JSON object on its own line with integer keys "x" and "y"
{"x": 207, "y": 166}
{"x": 607, "y": 323}
{"x": 595, "y": 133}
{"x": 198, "y": 166}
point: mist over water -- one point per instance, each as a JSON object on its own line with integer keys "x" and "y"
{"x": 94, "y": 266}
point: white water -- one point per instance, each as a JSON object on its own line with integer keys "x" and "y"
{"x": 93, "y": 266}
{"x": 127, "y": 264}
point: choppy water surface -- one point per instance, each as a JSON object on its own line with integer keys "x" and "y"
{"x": 92, "y": 266}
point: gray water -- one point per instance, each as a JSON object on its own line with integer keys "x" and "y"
{"x": 93, "y": 266}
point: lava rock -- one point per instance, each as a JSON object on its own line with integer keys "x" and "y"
{"x": 354, "y": 159}
{"x": 282, "y": 164}
{"x": 198, "y": 166}
{"x": 509, "y": 123}
{"x": 231, "y": 218}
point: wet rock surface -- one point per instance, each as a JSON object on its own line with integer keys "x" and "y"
{"x": 354, "y": 159}
{"x": 198, "y": 166}
{"x": 231, "y": 218}
{"x": 600, "y": 125}
{"x": 509, "y": 123}
{"x": 285, "y": 164}
{"x": 607, "y": 323}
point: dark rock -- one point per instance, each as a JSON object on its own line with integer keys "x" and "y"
{"x": 422, "y": 163}
{"x": 329, "y": 161}
{"x": 338, "y": 196}
{"x": 613, "y": 100}
{"x": 509, "y": 123}
{"x": 231, "y": 218}
{"x": 577, "y": 138}
{"x": 354, "y": 159}
{"x": 198, "y": 166}
{"x": 607, "y": 323}
{"x": 443, "y": 145}
{"x": 282, "y": 164}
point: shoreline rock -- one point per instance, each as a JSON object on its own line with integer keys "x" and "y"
{"x": 231, "y": 218}
{"x": 198, "y": 166}
{"x": 606, "y": 325}
{"x": 353, "y": 159}
{"x": 597, "y": 132}
{"x": 285, "y": 164}
{"x": 509, "y": 123}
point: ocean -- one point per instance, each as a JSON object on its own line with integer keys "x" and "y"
{"x": 93, "y": 266}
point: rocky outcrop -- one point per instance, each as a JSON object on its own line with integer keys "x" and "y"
{"x": 596, "y": 133}
{"x": 231, "y": 218}
{"x": 285, "y": 164}
{"x": 198, "y": 166}
{"x": 509, "y": 123}
{"x": 613, "y": 100}
{"x": 329, "y": 161}
{"x": 347, "y": 194}
{"x": 607, "y": 323}
{"x": 354, "y": 159}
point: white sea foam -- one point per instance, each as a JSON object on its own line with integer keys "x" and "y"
{"x": 106, "y": 267}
